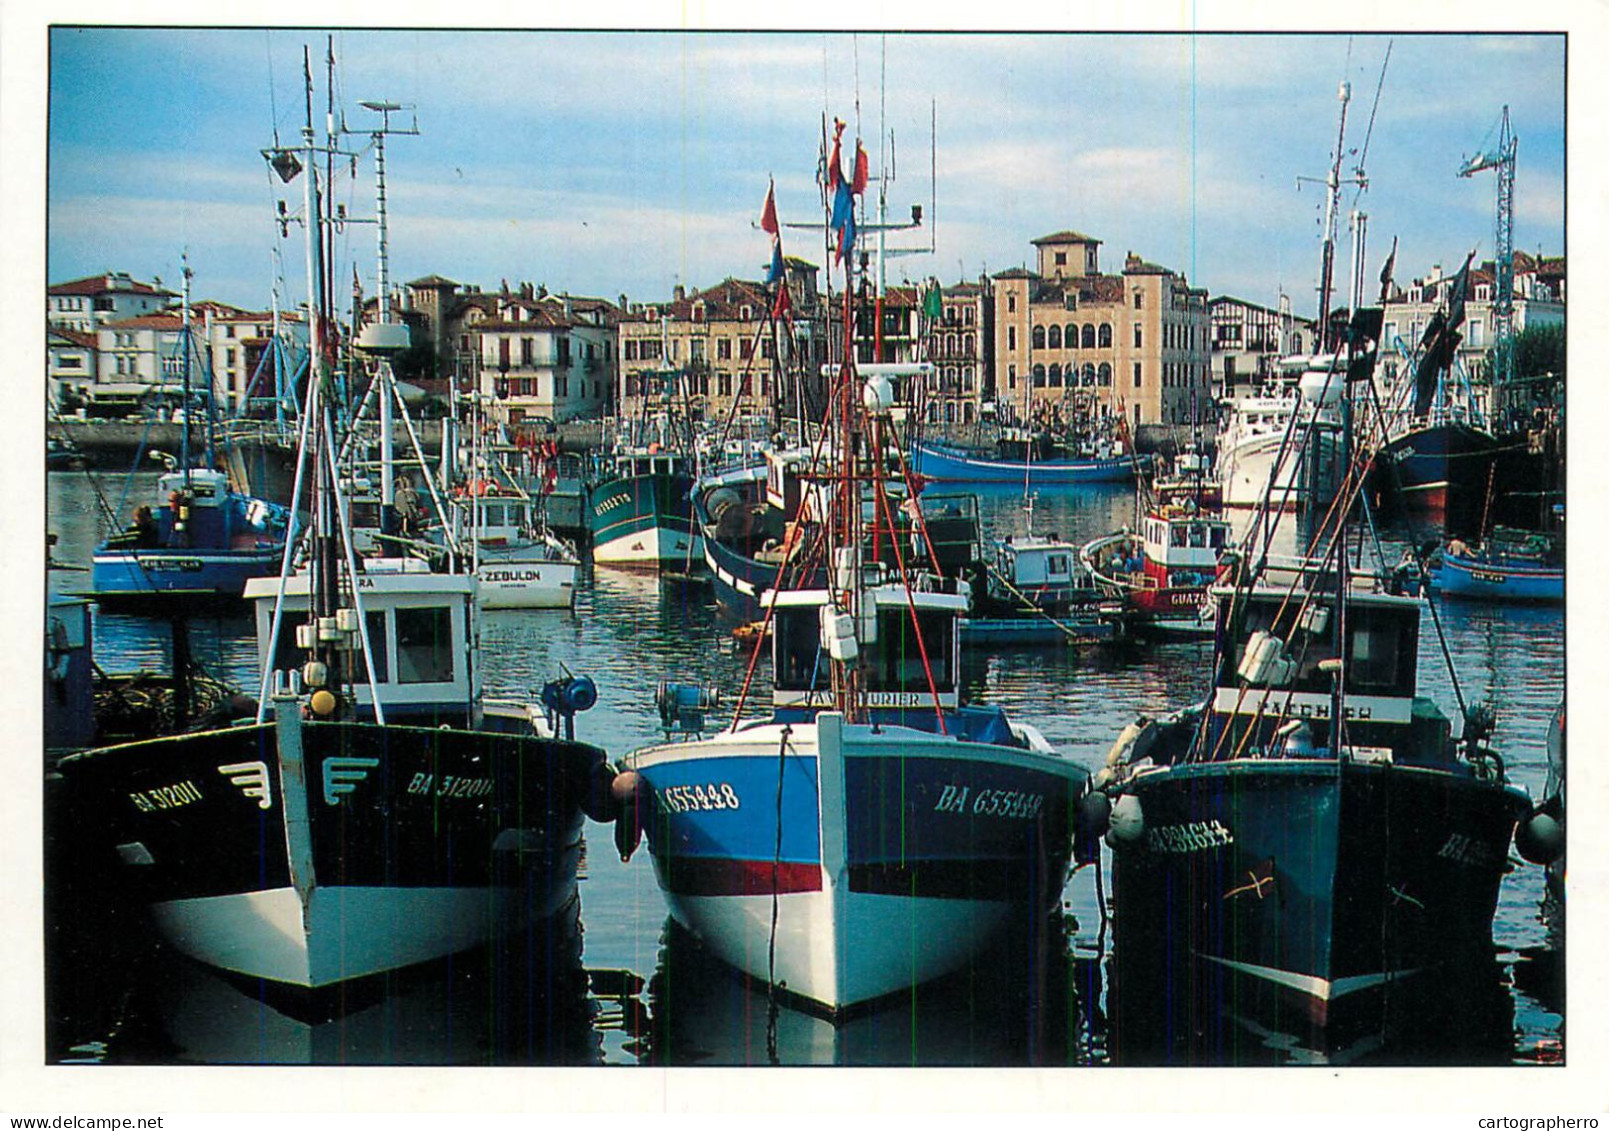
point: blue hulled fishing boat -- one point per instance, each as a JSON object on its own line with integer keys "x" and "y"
{"x": 870, "y": 832}
{"x": 197, "y": 538}
{"x": 1511, "y": 565}
{"x": 1020, "y": 458}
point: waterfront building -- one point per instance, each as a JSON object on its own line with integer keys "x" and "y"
{"x": 1247, "y": 340}
{"x": 538, "y": 356}
{"x": 959, "y": 348}
{"x": 727, "y": 352}
{"x": 1068, "y": 337}
{"x": 1538, "y": 301}
{"x": 85, "y": 304}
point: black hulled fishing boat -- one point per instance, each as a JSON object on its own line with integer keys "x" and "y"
{"x": 1264, "y": 851}
{"x": 374, "y": 813}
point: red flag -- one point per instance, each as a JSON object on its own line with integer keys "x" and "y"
{"x": 768, "y": 215}
{"x": 784, "y": 303}
{"x": 862, "y": 170}
{"x": 835, "y": 162}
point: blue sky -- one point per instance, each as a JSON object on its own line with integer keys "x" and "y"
{"x": 626, "y": 162}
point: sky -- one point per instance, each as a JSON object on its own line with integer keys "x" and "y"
{"x": 628, "y": 162}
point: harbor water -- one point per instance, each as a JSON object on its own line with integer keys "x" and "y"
{"x": 613, "y": 982}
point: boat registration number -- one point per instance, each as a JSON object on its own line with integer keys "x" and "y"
{"x": 711, "y": 795}
{"x": 166, "y": 796}
{"x": 1489, "y": 578}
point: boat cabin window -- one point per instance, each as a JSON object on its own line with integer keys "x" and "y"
{"x": 1058, "y": 565}
{"x": 1177, "y": 536}
{"x": 797, "y": 652}
{"x": 1198, "y": 535}
{"x": 1383, "y": 645}
{"x": 287, "y": 656}
{"x": 424, "y": 645}
{"x": 1215, "y": 537}
{"x": 896, "y": 661}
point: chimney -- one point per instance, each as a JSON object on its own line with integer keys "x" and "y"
{"x": 569, "y": 309}
{"x": 527, "y": 291}
{"x": 623, "y": 306}
{"x": 681, "y": 292}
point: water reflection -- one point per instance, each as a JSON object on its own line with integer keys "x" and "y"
{"x": 522, "y": 1001}
{"x": 1014, "y": 1005}
{"x": 1457, "y": 1017}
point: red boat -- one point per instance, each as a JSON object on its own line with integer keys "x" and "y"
{"x": 1162, "y": 572}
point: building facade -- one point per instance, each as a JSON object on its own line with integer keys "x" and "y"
{"x": 85, "y": 304}
{"x": 539, "y": 356}
{"x": 1069, "y": 338}
{"x": 1538, "y": 301}
{"x": 958, "y": 345}
{"x": 1248, "y": 338}
{"x": 729, "y": 358}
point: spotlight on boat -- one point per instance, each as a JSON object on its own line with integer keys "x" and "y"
{"x": 1296, "y": 737}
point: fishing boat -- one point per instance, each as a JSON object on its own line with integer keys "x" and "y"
{"x": 870, "y": 832}
{"x": 640, "y": 513}
{"x": 1511, "y": 565}
{"x": 1437, "y": 459}
{"x": 760, "y": 522}
{"x": 1020, "y": 455}
{"x": 1035, "y": 590}
{"x": 1279, "y": 446}
{"x": 1159, "y": 576}
{"x": 371, "y": 811}
{"x": 1264, "y": 853}
{"x": 196, "y": 538}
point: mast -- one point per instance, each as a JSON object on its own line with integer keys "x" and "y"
{"x": 184, "y": 434}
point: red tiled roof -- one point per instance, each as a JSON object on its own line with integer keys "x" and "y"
{"x": 161, "y": 321}
{"x": 1064, "y": 237}
{"x": 82, "y": 338}
{"x": 100, "y": 284}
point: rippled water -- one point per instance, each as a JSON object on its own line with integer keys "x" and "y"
{"x": 650, "y": 994}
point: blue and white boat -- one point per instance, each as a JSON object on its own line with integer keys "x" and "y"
{"x": 640, "y": 514}
{"x": 1014, "y": 463}
{"x": 871, "y": 832}
{"x": 1511, "y": 565}
{"x": 196, "y": 539}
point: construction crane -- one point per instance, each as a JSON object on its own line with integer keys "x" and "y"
{"x": 1501, "y": 160}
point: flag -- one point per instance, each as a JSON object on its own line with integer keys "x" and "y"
{"x": 844, "y": 192}
{"x": 1439, "y": 346}
{"x": 1386, "y": 271}
{"x": 768, "y": 223}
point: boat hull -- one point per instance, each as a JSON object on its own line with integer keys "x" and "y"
{"x": 531, "y": 581}
{"x": 952, "y": 465}
{"x": 1244, "y": 471}
{"x": 901, "y": 852}
{"x": 1439, "y": 474}
{"x": 1471, "y": 578}
{"x": 132, "y": 576}
{"x": 1312, "y": 884}
{"x": 349, "y": 851}
{"x": 645, "y": 521}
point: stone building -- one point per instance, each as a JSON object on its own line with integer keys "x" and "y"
{"x": 725, "y": 355}
{"x": 1070, "y": 338}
